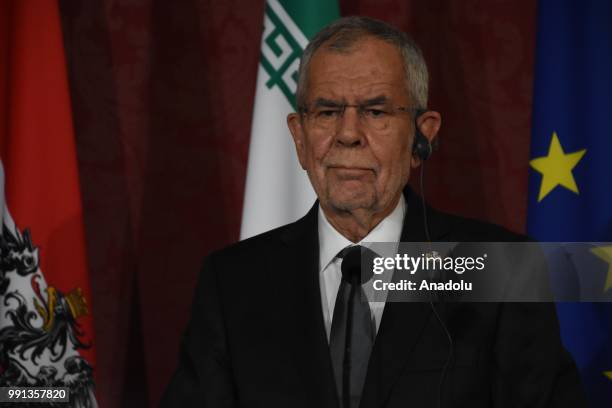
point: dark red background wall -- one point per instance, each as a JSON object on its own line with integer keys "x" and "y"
{"x": 163, "y": 96}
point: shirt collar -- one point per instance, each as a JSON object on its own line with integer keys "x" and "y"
{"x": 331, "y": 241}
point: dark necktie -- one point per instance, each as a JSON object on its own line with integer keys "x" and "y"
{"x": 352, "y": 332}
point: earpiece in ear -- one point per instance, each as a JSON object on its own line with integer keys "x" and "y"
{"x": 421, "y": 147}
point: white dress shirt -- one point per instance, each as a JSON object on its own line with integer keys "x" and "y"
{"x": 331, "y": 242}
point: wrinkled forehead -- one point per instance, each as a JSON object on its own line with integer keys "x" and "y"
{"x": 368, "y": 69}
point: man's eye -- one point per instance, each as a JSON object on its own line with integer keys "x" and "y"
{"x": 328, "y": 113}
{"x": 375, "y": 113}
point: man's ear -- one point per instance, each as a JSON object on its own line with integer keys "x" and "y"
{"x": 428, "y": 123}
{"x": 294, "y": 121}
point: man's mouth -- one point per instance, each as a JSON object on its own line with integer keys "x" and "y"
{"x": 351, "y": 173}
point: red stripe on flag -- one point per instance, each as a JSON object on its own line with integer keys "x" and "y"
{"x": 37, "y": 146}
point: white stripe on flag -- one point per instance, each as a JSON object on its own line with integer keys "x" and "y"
{"x": 5, "y": 216}
{"x": 277, "y": 190}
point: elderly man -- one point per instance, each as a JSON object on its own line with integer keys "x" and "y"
{"x": 268, "y": 327}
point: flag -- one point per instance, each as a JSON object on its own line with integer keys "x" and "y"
{"x": 570, "y": 182}
{"x": 277, "y": 189}
{"x": 46, "y": 328}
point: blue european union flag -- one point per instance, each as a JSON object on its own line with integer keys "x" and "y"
{"x": 570, "y": 182}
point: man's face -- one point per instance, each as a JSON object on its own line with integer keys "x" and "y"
{"x": 351, "y": 165}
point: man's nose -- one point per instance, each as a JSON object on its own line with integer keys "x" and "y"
{"x": 350, "y": 128}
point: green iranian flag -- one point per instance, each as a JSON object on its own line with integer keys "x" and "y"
{"x": 277, "y": 189}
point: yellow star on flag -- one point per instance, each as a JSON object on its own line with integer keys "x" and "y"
{"x": 605, "y": 253}
{"x": 556, "y": 168}
{"x": 608, "y": 374}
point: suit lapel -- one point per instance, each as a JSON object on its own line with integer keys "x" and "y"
{"x": 301, "y": 310}
{"x": 402, "y": 323}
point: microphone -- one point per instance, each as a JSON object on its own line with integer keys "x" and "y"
{"x": 357, "y": 265}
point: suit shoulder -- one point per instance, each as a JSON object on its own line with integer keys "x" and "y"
{"x": 268, "y": 243}
{"x": 254, "y": 247}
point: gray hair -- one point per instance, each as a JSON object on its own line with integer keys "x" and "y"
{"x": 342, "y": 34}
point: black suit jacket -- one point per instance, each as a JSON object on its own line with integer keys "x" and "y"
{"x": 256, "y": 336}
